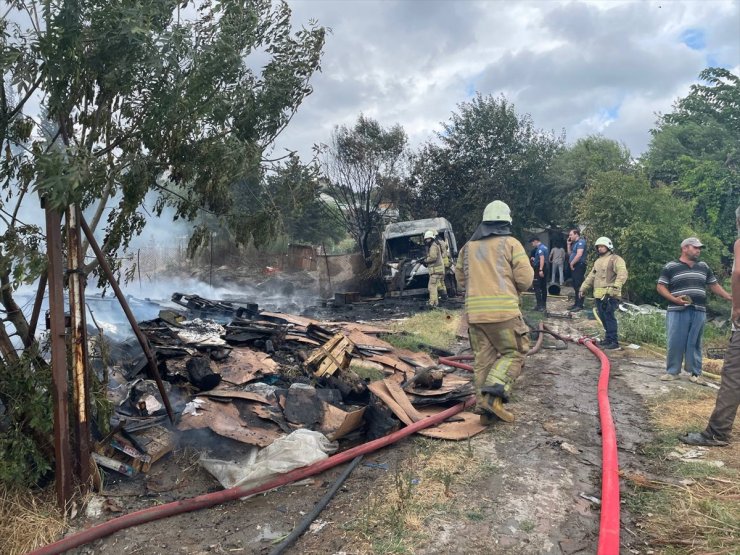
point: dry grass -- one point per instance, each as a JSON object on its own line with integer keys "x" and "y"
{"x": 696, "y": 508}
{"x": 423, "y": 485}
{"x": 28, "y": 521}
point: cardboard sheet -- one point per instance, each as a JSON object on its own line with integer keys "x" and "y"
{"x": 467, "y": 426}
{"x": 244, "y": 365}
{"x": 450, "y": 382}
{"x": 337, "y": 423}
{"x": 227, "y": 420}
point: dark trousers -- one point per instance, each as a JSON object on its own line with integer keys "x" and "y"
{"x": 579, "y": 275}
{"x": 606, "y": 308}
{"x": 728, "y": 396}
{"x": 540, "y": 287}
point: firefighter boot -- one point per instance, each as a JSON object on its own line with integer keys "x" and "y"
{"x": 498, "y": 409}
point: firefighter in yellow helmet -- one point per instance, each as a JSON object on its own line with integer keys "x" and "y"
{"x": 494, "y": 270}
{"x": 435, "y": 264}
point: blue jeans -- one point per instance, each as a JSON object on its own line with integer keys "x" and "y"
{"x": 685, "y": 328}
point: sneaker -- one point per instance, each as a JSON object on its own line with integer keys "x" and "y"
{"x": 697, "y": 438}
{"x": 668, "y": 377}
{"x": 698, "y": 380}
{"x": 613, "y": 346}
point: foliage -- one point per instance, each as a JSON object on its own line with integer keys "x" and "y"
{"x": 696, "y": 149}
{"x": 364, "y": 167}
{"x": 285, "y": 203}
{"x": 575, "y": 167}
{"x": 486, "y": 151}
{"x": 646, "y": 225}
{"x": 103, "y": 103}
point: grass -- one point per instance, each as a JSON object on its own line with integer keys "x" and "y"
{"x": 28, "y": 520}
{"x": 650, "y": 329}
{"x": 693, "y": 507}
{"x": 435, "y": 328}
{"x": 423, "y": 485}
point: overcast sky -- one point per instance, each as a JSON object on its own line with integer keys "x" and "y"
{"x": 584, "y": 67}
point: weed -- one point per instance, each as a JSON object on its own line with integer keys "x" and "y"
{"x": 475, "y": 516}
{"x": 366, "y": 372}
{"x": 526, "y": 526}
{"x": 425, "y": 330}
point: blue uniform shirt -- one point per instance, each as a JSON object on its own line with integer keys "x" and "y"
{"x": 580, "y": 244}
{"x": 542, "y": 250}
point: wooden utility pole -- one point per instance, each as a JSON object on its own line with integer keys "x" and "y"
{"x": 80, "y": 376}
{"x": 55, "y": 273}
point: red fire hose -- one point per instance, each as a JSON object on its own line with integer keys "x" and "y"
{"x": 609, "y": 524}
{"x": 208, "y": 500}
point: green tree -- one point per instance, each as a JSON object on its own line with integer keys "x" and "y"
{"x": 575, "y": 167}
{"x": 103, "y": 102}
{"x": 646, "y": 225}
{"x": 696, "y": 149}
{"x": 365, "y": 167}
{"x": 486, "y": 151}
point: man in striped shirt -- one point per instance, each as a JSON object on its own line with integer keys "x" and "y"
{"x": 684, "y": 283}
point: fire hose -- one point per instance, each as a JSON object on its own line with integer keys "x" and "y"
{"x": 209, "y": 500}
{"x": 610, "y": 509}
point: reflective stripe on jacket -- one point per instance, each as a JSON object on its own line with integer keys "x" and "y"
{"x": 607, "y": 276}
{"x": 494, "y": 271}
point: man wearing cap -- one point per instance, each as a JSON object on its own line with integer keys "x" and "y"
{"x": 719, "y": 428}
{"x": 494, "y": 270}
{"x": 683, "y": 283}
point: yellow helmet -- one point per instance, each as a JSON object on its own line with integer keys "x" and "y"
{"x": 497, "y": 211}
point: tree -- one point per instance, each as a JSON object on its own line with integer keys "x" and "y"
{"x": 575, "y": 167}
{"x": 696, "y": 149}
{"x": 645, "y": 223}
{"x": 486, "y": 151}
{"x": 364, "y": 167}
{"x": 133, "y": 98}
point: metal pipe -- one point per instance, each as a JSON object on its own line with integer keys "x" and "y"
{"x": 62, "y": 452}
{"x": 80, "y": 379}
{"x": 33, "y": 323}
{"x": 151, "y": 360}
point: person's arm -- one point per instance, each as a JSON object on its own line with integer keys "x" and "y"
{"x": 541, "y": 266}
{"x": 523, "y": 271}
{"x": 663, "y": 291}
{"x": 550, "y": 257}
{"x": 735, "y": 280}
{"x": 718, "y": 290}
{"x": 587, "y": 283}
{"x": 576, "y": 258}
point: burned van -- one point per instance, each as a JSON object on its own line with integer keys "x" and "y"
{"x": 404, "y": 273}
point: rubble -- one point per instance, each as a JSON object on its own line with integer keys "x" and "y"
{"x": 255, "y": 377}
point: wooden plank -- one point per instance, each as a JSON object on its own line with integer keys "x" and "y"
{"x": 400, "y": 397}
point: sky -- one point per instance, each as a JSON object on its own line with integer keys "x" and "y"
{"x": 603, "y": 67}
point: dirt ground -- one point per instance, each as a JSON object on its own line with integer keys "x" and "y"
{"x": 539, "y": 493}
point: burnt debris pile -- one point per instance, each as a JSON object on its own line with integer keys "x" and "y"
{"x": 236, "y": 376}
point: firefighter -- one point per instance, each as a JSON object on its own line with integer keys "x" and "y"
{"x": 441, "y": 286}
{"x": 494, "y": 270}
{"x": 435, "y": 266}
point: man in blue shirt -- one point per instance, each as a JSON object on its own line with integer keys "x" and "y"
{"x": 577, "y": 263}
{"x": 540, "y": 259}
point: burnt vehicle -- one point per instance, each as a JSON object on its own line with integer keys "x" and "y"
{"x": 404, "y": 273}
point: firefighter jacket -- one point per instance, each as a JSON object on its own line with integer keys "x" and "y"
{"x": 606, "y": 277}
{"x": 493, "y": 270}
{"x": 433, "y": 261}
{"x": 445, "y": 253}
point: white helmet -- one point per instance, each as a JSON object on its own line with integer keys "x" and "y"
{"x": 604, "y": 241}
{"x": 429, "y": 234}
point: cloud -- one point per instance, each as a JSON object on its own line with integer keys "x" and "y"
{"x": 585, "y": 67}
